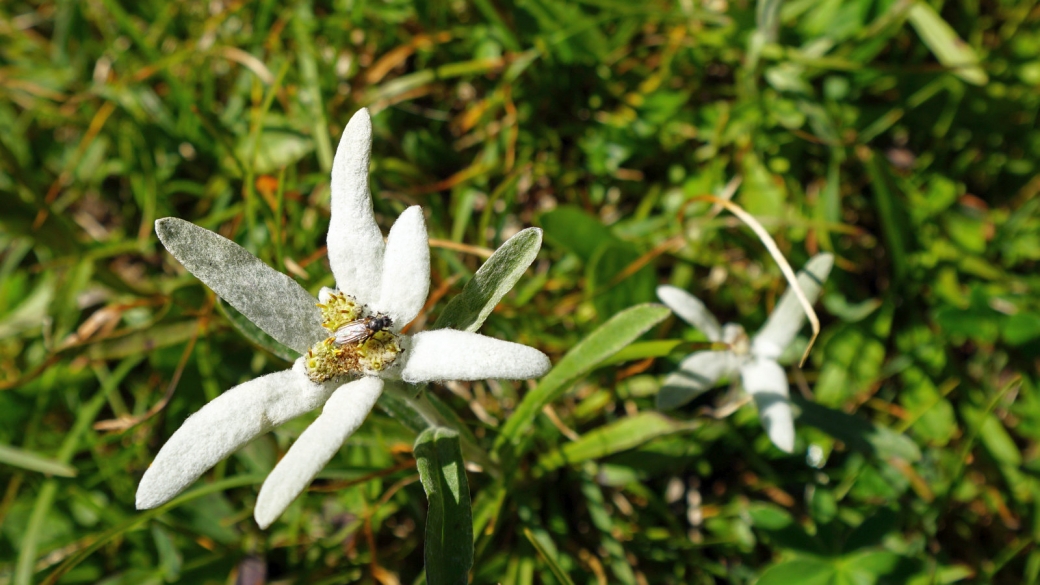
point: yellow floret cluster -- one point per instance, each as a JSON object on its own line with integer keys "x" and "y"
{"x": 327, "y": 359}
{"x": 379, "y": 352}
{"x": 339, "y": 310}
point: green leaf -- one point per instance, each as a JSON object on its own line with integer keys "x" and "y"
{"x": 576, "y": 231}
{"x": 1021, "y": 328}
{"x": 798, "y": 572}
{"x": 608, "y": 339}
{"x": 877, "y": 566}
{"x": 933, "y": 415}
{"x": 603, "y": 272}
{"x": 615, "y": 437}
{"x": 468, "y": 310}
{"x": 856, "y": 432}
{"x": 449, "y": 521}
{"x": 943, "y": 41}
{"x": 994, "y": 436}
{"x": 16, "y": 457}
{"x": 545, "y": 551}
{"x": 852, "y": 361}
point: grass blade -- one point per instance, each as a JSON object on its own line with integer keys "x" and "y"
{"x": 613, "y": 438}
{"x": 548, "y": 557}
{"x": 16, "y": 457}
{"x": 607, "y": 340}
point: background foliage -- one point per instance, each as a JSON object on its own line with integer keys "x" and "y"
{"x": 900, "y": 135}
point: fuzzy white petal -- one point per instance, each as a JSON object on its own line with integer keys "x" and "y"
{"x": 268, "y": 298}
{"x": 344, "y": 412}
{"x": 766, "y": 382}
{"x": 690, "y": 309}
{"x": 697, "y": 373}
{"x": 788, "y": 315}
{"x": 447, "y": 354}
{"x": 224, "y": 425}
{"x": 355, "y": 242}
{"x": 406, "y": 268}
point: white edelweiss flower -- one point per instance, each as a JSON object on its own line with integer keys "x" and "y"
{"x": 755, "y": 360}
{"x": 387, "y": 282}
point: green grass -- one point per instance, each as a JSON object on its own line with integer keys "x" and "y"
{"x": 900, "y": 136}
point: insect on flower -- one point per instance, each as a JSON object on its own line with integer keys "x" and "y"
{"x": 345, "y": 356}
{"x": 361, "y": 330}
{"x": 356, "y": 344}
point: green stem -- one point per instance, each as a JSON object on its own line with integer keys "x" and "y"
{"x": 422, "y": 406}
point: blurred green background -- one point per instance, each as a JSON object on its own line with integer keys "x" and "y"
{"x": 901, "y": 136}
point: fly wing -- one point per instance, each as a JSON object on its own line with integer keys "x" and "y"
{"x": 352, "y": 332}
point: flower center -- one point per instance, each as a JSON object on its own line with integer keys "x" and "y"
{"x": 359, "y": 342}
{"x": 737, "y": 339}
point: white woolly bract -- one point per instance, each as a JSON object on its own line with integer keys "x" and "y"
{"x": 344, "y": 412}
{"x": 447, "y": 354}
{"x": 788, "y": 316}
{"x": 224, "y": 425}
{"x": 690, "y": 309}
{"x": 761, "y": 376}
{"x": 406, "y": 269}
{"x": 766, "y": 382}
{"x": 268, "y": 298}
{"x": 354, "y": 240}
{"x": 698, "y": 373}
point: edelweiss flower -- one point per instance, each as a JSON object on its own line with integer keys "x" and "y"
{"x": 755, "y": 360}
{"x": 345, "y": 361}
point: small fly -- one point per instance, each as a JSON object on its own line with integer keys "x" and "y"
{"x": 361, "y": 330}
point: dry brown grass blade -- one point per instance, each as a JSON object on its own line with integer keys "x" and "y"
{"x": 401, "y": 53}
{"x": 459, "y": 247}
{"x": 778, "y": 256}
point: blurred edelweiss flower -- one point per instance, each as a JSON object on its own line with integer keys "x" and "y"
{"x": 344, "y": 370}
{"x": 755, "y": 360}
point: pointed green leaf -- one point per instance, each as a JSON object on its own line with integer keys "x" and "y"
{"x": 944, "y": 43}
{"x": 608, "y": 339}
{"x": 576, "y": 231}
{"x": 799, "y": 571}
{"x": 449, "y": 521}
{"x": 468, "y": 310}
{"x": 615, "y": 437}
